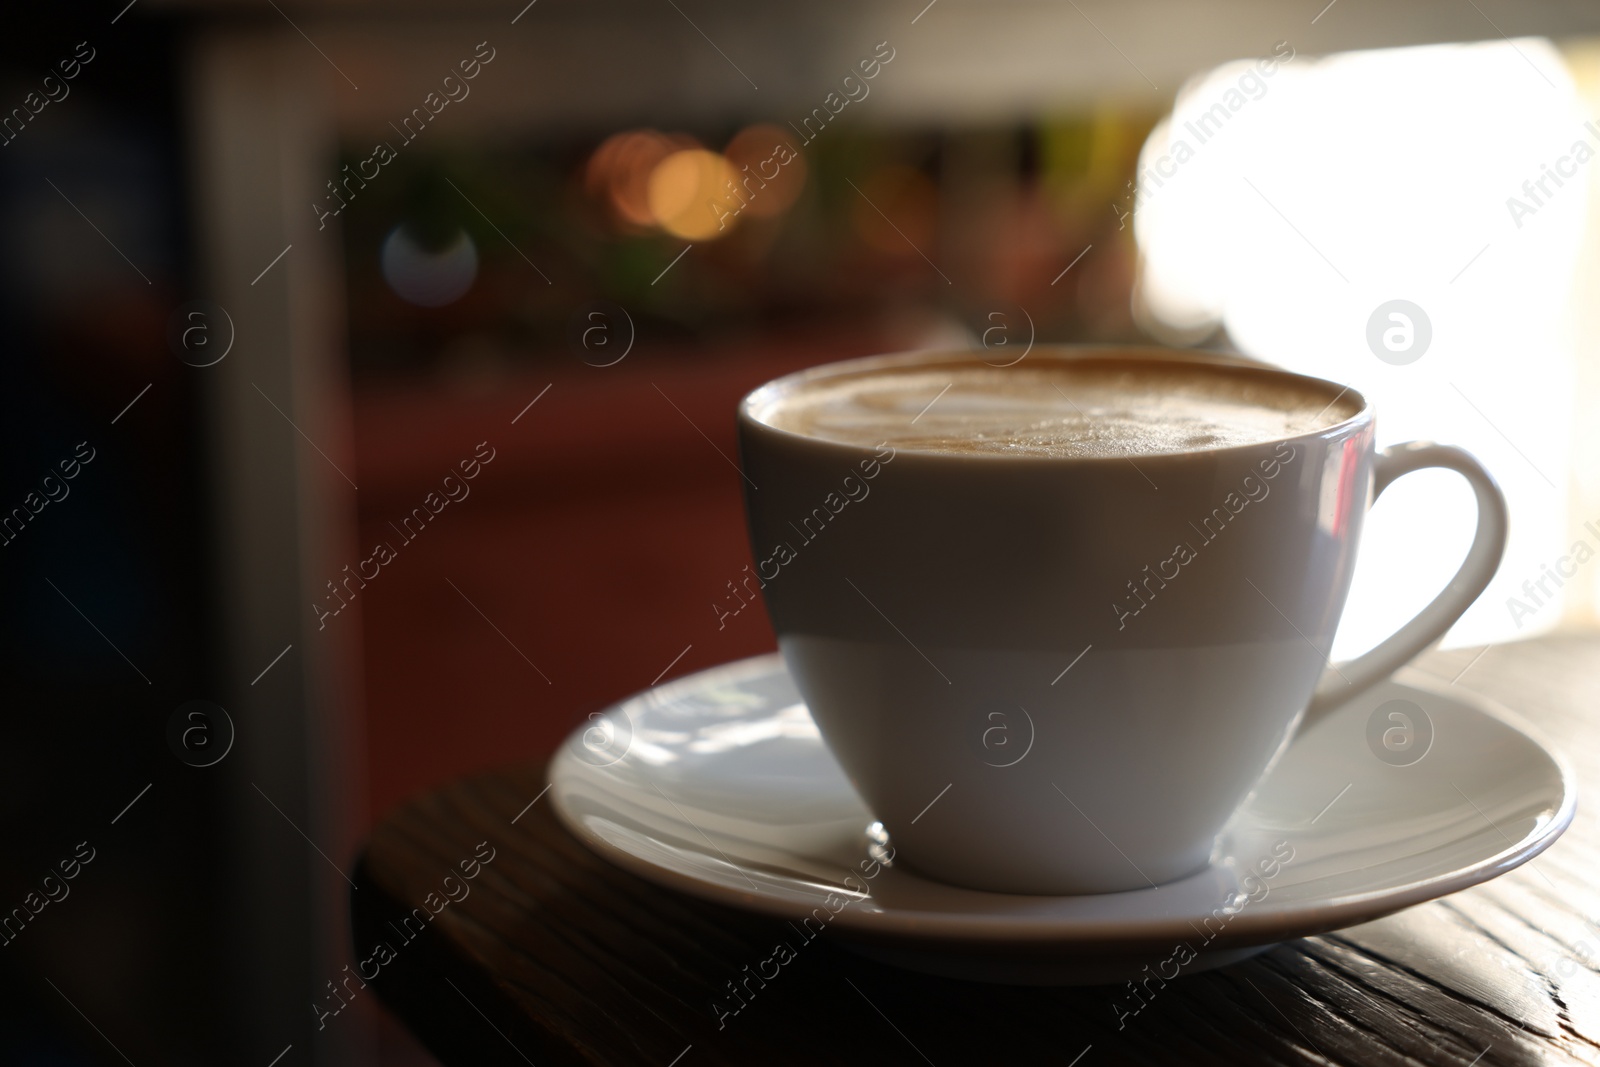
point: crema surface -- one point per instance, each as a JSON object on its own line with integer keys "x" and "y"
{"x": 1059, "y": 408}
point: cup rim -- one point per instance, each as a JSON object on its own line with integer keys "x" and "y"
{"x": 1218, "y": 362}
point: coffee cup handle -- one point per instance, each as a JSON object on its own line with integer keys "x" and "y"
{"x": 1343, "y": 681}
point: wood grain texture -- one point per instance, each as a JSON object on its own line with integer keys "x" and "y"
{"x": 554, "y": 956}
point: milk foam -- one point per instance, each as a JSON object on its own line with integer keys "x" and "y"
{"x": 1052, "y": 408}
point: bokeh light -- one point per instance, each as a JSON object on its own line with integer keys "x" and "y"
{"x": 771, "y": 171}
{"x": 429, "y": 277}
{"x": 618, "y": 174}
{"x": 690, "y": 195}
{"x": 620, "y": 167}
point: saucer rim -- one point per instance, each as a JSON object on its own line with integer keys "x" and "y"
{"x": 1029, "y": 936}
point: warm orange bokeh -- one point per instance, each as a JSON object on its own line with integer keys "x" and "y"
{"x": 619, "y": 172}
{"x": 769, "y": 180}
{"x": 685, "y": 191}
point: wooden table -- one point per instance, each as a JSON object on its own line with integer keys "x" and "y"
{"x": 554, "y": 956}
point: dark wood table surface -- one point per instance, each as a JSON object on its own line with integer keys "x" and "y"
{"x": 554, "y": 956}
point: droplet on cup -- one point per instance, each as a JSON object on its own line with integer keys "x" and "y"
{"x": 879, "y": 850}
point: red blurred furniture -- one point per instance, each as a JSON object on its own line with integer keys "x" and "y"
{"x": 593, "y": 545}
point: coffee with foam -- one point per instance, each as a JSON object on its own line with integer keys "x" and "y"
{"x": 1052, "y": 408}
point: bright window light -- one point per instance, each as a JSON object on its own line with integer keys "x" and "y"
{"x": 1294, "y": 201}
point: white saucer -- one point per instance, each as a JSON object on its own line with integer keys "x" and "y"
{"x": 718, "y": 785}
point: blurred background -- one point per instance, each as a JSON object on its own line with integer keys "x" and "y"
{"x": 369, "y": 379}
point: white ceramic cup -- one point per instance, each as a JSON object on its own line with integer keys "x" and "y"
{"x": 1028, "y": 682}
